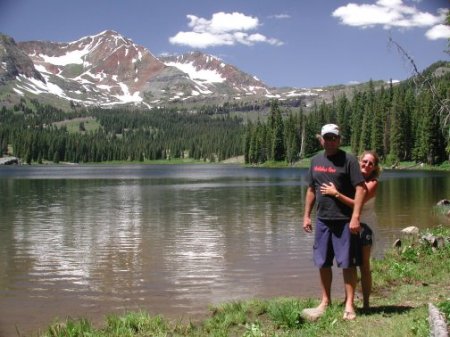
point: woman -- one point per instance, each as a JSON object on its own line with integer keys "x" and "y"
{"x": 370, "y": 168}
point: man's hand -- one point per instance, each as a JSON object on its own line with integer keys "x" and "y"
{"x": 355, "y": 226}
{"x": 307, "y": 224}
{"x": 310, "y": 198}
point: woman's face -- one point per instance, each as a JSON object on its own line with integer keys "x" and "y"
{"x": 367, "y": 165}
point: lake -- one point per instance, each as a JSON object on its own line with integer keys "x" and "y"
{"x": 90, "y": 240}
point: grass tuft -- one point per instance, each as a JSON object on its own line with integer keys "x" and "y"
{"x": 135, "y": 323}
{"x": 444, "y": 307}
{"x": 71, "y": 328}
{"x": 285, "y": 313}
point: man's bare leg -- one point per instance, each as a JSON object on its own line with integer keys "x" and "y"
{"x": 350, "y": 285}
{"x": 326, "y": 277}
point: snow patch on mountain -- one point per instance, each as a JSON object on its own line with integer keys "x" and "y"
{"x": 305, "y": 92}
{"x": 127, "y": 97}
{"x": 19, "y": 92}
{"x": 204, "y": 75}
{"x": 38, "y": 87}
{"x": 72, "y": 57}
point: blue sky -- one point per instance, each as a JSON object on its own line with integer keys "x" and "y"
{"x": 298, "y": 43}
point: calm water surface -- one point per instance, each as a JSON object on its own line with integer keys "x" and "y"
{"x": 86, "y": 241}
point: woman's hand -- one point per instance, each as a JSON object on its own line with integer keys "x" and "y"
{"x": 328, "y": 189}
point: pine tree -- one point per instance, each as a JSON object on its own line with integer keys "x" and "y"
{"x": 301, "y": 133}
{"x": 247, "y": 142}
{"x": 263, "y": 137}
{"x": 367, "y": 119}
{"x": 395, "y": 140}
{"x": 343, "y": 118}
{"x": 377, "y": 127}
{"x": 357, "y": 110}
{"x": 278, "y": 148}
{"x": 423, "y": 150}
{"x": 292, "y": 139}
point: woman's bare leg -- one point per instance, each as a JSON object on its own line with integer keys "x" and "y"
{"x": 366, "y": 276}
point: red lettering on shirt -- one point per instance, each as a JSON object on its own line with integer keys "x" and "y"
{"x": 329, "y": 169}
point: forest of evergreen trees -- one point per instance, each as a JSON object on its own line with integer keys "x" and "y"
{"x": 124, "y": 135}
{"x": 405, "y": 122}
{"x": 402, "y": 122}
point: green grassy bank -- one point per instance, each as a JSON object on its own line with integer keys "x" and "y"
{"x": 405, "y": 281}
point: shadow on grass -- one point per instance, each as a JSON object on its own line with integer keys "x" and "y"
{"x": 387, "y": 310}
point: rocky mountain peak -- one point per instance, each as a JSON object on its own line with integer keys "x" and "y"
{"x": 205, "y": 69}
{"x": 15, "y": 62}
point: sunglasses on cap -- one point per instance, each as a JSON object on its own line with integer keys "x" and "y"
{"x": 330, "y": 137}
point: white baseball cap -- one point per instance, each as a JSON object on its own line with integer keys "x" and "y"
{"x": 330, "y": 128}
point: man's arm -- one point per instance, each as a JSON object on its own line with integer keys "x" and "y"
{"x": 360, "y": 195}
{"x": 309, "y": 203}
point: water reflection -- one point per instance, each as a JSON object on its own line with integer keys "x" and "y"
{"x": 407, "y": 198}
{"x": 87, "y": 241}
{"x": 72, "y": 233}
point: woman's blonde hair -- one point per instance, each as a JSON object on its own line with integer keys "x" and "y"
{"x": 376, "y": 168}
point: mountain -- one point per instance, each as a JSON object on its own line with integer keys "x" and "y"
{"x": 211, "y": 75}
{"x": 103, "y": 69}
{"x": 15, "y": 62}
{"x": 108, "y": 69}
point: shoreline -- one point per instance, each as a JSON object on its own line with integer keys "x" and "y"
{"x": 302, "y": 164}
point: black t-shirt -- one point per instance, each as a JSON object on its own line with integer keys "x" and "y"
{"x": 342, "y": 169}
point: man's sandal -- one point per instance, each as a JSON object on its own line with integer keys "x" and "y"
{"x": 313, "y": 314}
{"x": 349, "y": 315}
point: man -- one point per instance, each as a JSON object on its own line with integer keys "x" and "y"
{"x": 337, "y": 224}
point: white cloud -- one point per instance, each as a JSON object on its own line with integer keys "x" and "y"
{"x": 389, "y": 14}
{"x": 228, "y": 22}
{"x": 202, "y": 40}
{"x": 280, "y": 16}
{"x": 222, "y": 29}
{"x": 438, "y": 32}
